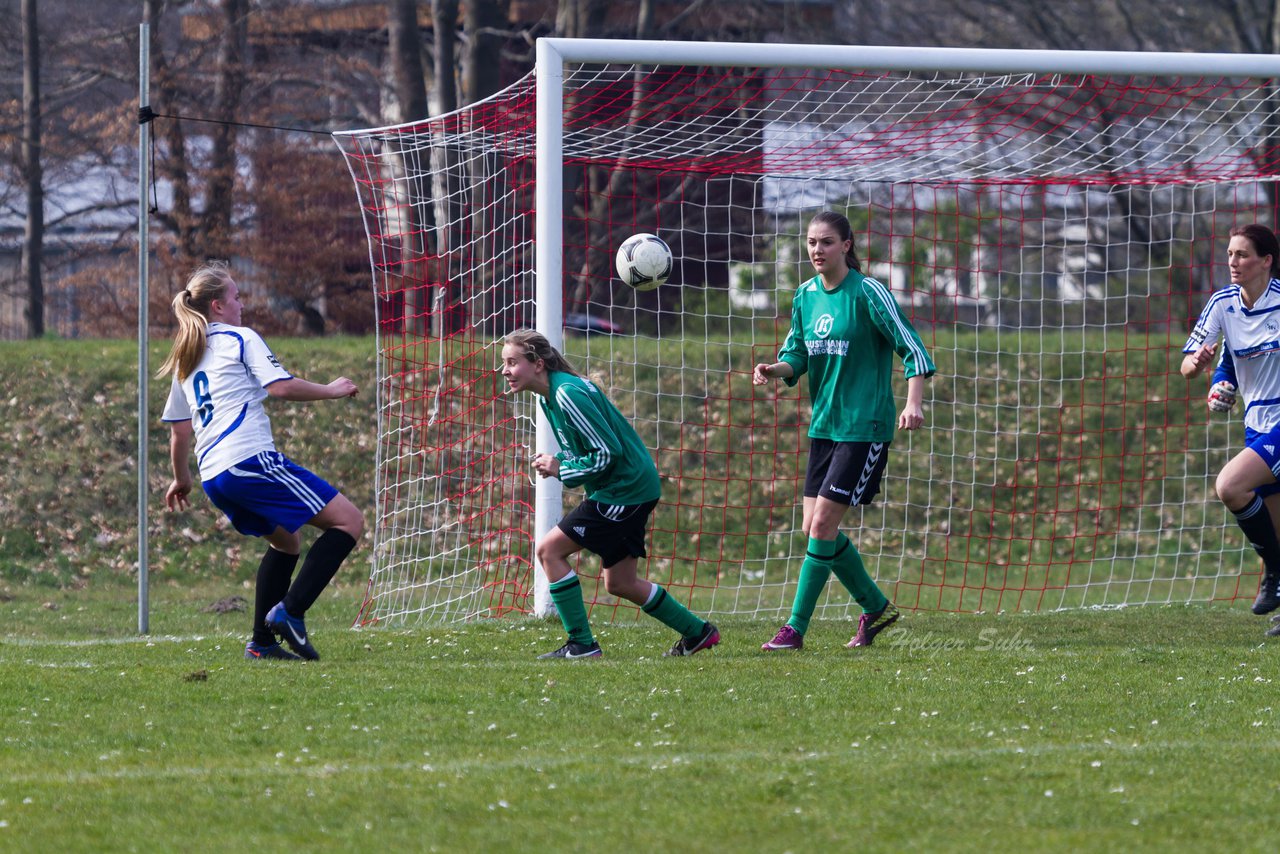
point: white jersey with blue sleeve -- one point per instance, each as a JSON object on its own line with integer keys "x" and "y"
{"x": 1251, "y": 340}
{"x": 222, "y": 398}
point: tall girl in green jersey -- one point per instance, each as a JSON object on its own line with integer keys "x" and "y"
{"x": 845, "y": 328}
{"x": 600, "y": 452}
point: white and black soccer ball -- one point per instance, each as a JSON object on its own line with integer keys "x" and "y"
{"x": 643, "y": 261}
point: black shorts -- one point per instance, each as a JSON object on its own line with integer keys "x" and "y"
{"x": 613, "y": 531}
{"x": 846, "y": 472}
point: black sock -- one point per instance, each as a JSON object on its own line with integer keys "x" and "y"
{"x": 1255, "y": 521}
{"x": 323, "y": 559}
{"x": 274, "y": 574}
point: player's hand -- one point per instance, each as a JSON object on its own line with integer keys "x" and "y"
{"x": 912, "y": 418}
{"x": 343, "y": 387}
{"x": 1203, "y": 357}
{"x": 175, "y": 497}
{"x": 546, "y": 465}
{"x": 761, "y": 374}
{"x": 1222, "y": 397}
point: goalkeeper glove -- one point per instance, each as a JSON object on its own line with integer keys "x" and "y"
{"x": 1222, "y": 396}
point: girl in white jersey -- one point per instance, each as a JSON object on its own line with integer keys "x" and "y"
{"x": 1245, "y": 315}
{"x": 845, "y": 330}
{"x": 222, "y": 372}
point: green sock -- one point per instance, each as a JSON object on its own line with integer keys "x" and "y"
{"x": 852, "y": 572}
{"x": 814, "y": 573}
{"x": 666, "y": 610}
{"x": 567, "y": 596}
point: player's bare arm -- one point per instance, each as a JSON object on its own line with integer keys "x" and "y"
{"x": 912, "y": 417}
{"x": 1195, "y": 363}
{"x": 301, "y": 390}
{"x": 181, "y": 439}
{"x": 777, "y": 371}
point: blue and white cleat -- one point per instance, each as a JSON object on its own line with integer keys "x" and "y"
{"x": 263, "y": 651}
{"x": 292, "y": 630}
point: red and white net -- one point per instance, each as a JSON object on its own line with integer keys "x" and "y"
{"x": 1052, "y": 238}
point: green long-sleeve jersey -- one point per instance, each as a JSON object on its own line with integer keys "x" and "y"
{"x": 599, "y": 449}
{"x": 845, "y": 340}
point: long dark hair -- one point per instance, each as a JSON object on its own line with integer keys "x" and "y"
{"x": 840, "y": 223}
{"x": 1264, "y": 242}
{"x": 535, "y": 346}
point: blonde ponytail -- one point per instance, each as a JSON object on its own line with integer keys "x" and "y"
{"x": 191, "y": 308}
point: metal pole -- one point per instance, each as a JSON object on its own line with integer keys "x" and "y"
{"x": 548, "y": 237}
{"x": 144, "y": 178}
{"x": 888, "y": 58}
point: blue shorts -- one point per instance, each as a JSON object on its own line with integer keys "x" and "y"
{"x": 1267, "y": 446}
{"x": 268, "y": 491}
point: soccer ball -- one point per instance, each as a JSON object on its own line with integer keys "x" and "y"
{"x": 643, "y": 261}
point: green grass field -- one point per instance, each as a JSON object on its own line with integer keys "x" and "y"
{"x": 1143, "y": 729}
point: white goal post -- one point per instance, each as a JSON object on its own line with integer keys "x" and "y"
{"x": 1027, "y": 207}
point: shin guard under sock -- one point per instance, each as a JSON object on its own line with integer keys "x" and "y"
{"x": 666, "y": 610}
{"x": 274, "y": 574}
{"x": 566, "y": 594}
{"x": 814, "y": 573}
{"x": 320, "y": 566}
{"x": 1255, "y": 520}
{"x": 852, "y": 572}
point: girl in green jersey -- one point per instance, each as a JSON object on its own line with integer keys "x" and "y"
{"x": 845, "y": 329}
{"x": 599, "y": 451}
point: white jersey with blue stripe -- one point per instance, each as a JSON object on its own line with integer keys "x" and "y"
{"x": 1252, "y": 338}
{"x": 222, "y": 398}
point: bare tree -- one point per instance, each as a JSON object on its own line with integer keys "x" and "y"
{"x": 336, "y": 77}
{"x": 269, "y": 193}
{"x": 444, "y": 20}
{"x": 481, "y": 68}
{"x": 1255, "y": 28}
{"x": 580, "y": 19}
{"x": 228, "y": 86}
{"x": 33, "y": 172}
{"x": 178, "y": 217}
{"x": 186, "y": 76}
{"x": 405, "y": 56}
{"x": 405, "y": 53}
{"x": 53, "y": 109}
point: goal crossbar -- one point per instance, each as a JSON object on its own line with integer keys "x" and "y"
{"x": 554, "y": 52}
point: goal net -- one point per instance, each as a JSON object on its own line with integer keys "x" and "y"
{"x": 1051, "y": 222}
